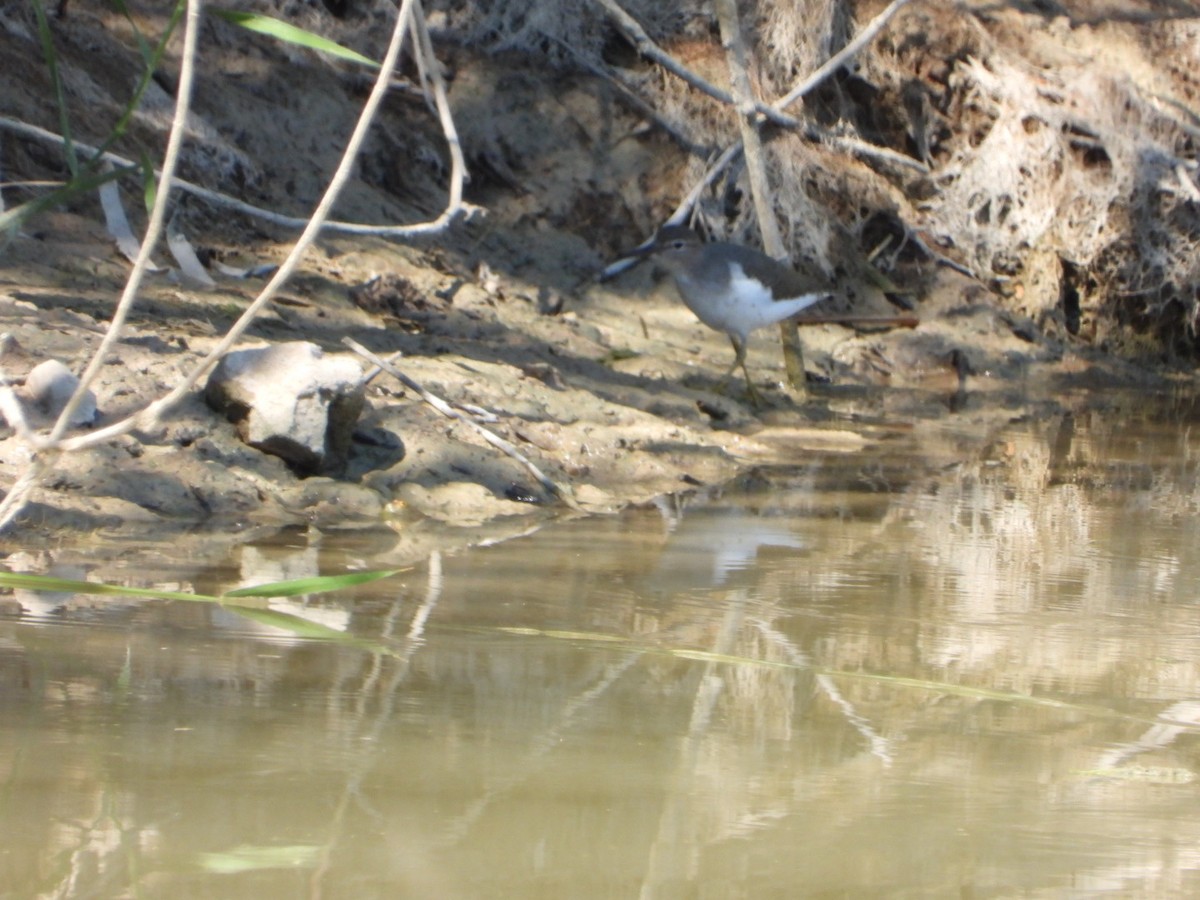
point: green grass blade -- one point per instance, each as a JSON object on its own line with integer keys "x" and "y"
{"x": 60, "y": 98}
{"x": 282, "y": 31}
{"x": 898, "y": 681}
{"x": 152, "y": 59}
{"x": 143, "y": 47}
{"x": 149, "y": 185}
{"x": 71, "y": 585}
{"x": 297, "y": 625}
{"x": 317, "y": 585}
{"x": 11, "y": 220}
{"x": 321, "y": 584}
{"x": 257, "y": 858}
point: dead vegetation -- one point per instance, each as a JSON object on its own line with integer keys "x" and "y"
{"x": 1051, "y": 154}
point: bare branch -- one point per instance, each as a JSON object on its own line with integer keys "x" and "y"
{"x": 458, "y": 165}
{"x": 853, "y": 145}
{"x": 859, "y": 147}
{"x": 630, "y": 96}
{"x": 149, "y": 416}
{"x": 646, "y": 46}
{"x": 562, "y": 493}
{"x": 842, "y": 57}
{"x": 455, "y": 207}
{"x": 154, "y": 226}
{"x": 19, "y": 494}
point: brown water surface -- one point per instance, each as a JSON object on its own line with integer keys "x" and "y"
{"x": 869, "y": 675}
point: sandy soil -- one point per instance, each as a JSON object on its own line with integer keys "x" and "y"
{"x": 607, "y": 388}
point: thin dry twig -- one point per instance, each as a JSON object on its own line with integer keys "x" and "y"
{"x": 646, "y": 46}
{"x": 455, "y": 207}
{"x": 154, "y": 227}
{"x": 224, "y": 200}
{"x": 458, "y": 164}
{"x": 49, "y": 447}
{"x": 216, "y": 198}
{"x": 859, "y": 147}
{"x": 630, "y": 96}
{"x": 150, "y": 416}
{"x": 18, "y": 496}
{"x": 942, "y": 259}
{"x": 562, "y": 493}
{"x": 678, "y": 217}
{"x": 805, "y": 87}
{"x": 842, "y": 57}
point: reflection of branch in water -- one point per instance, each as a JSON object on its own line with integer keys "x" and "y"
{"x": 416, "y": 630}
{"x": 540, "y": 747}
{"x": 668, "y": 864}
{"x": 370, "y": 736}
{"x": 1179, "y": 718}
{"x": 98, "y": 852}
{"x": 415, "y": 637}
{"x": 878, "y": 744}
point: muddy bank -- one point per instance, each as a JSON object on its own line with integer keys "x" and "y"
{"x": 612, "y": 396}
{"x": 606, "y": 388}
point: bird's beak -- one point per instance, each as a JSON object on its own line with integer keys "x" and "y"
{"x": 642, "y": 250}
{"x": 628, "y": 260}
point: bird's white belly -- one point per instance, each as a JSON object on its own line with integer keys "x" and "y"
{"x": 740, "y": 306}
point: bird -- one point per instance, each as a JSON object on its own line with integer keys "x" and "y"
{"x": 732, "y": 288}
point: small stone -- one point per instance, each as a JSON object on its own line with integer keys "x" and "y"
{"x": 50, "y": 385}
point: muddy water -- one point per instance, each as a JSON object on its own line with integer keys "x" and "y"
{"x": 970, "y": 671}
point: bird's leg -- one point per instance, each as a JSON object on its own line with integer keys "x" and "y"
{"x": 739, "y": 361}
{"x": 756, "y": 399}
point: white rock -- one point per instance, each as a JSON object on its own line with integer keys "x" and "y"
{"x": 291, "y": 400}
{"x": 50, "y": 385}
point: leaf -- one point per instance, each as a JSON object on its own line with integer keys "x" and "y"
{"x": 71, "y": 585}
{"x": 11, "y": 219}
{"x": 251, "y": 858}
{"x": 185, "y": 256}
{"x": 60, "y": 97}
{"x": 149, "y": 185}
{"x": 316, "y": 585}
{"x": 117, "y": 223}
{"x": 143, "y": 47}
{"x": 300, "y": 627}
{"x": 291, "y": 34}
{"x": 320, "y": 584}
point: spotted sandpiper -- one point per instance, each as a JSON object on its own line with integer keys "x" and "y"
{"x": 732, "y": 288}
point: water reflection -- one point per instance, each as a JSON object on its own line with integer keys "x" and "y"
{"x": 961, "y": 671}
{"x": 706, "y": 545}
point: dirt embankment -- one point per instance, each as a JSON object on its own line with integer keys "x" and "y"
{"x": 1031, "y": 213}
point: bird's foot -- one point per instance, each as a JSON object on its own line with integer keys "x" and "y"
{"x": 756, "y": 399}
{"x": 723, "y": 386}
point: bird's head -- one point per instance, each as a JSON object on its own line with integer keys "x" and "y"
{"x": 671, "y": 245}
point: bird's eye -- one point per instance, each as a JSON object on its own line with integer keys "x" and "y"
{"x": 676, "y": 245}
